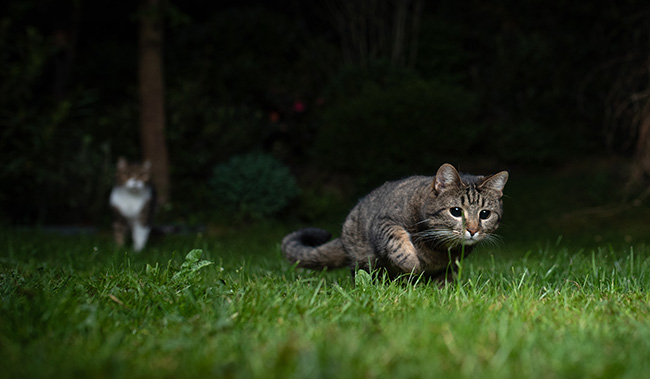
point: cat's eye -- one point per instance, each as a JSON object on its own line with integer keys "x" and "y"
{"x": 484, "y": 214}
{"x": 456, "y": 212}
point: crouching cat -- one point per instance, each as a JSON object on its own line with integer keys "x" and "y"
{"x": 133, "y": 200}
{"x": 418, "y": 225}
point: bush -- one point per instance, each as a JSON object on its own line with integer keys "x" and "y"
{"x": 199, "y": 139}
{"x": 254, "y": 185}
{"x": 399, "y": 129}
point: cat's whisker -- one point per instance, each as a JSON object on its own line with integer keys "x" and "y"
{"x": 430, "y": 233}
{"x": 448, "y": 238}
{"x": 493, "y": 240}
{"x": 420, "y": 223}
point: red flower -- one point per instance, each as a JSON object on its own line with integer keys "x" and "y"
{"x": 298, "y": 106}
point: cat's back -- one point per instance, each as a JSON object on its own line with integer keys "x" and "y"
{"x": 405, "y": 186}
{"x": 394, "y": 198}
{"x": 401, "y": 188}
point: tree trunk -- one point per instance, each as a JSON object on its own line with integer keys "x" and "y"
{"x": 641, "y": 169}
{"x": 152, "y": 91}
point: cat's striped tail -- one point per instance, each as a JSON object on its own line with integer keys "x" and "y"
{"x": 312, "y": 248}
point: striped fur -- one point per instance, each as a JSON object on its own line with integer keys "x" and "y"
{"x": 310, "y": 248}
{"x": 417, "y": 225}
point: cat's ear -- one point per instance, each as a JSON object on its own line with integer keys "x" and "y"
{"x": 447, "y": 177}
{"x": 495, "y": 182}
{"x": 121, "y": 163}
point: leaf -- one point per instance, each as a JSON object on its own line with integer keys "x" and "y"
{"x": 362, "y": 279}
{"x": 152, "y": 270}
{"x": 191, "y": 266}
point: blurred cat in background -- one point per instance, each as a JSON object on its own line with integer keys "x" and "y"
{"x": 133, "y": 200}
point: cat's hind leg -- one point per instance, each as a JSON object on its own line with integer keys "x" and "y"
{"x": 120, "y": 227}
{"x": 119, "y": 232}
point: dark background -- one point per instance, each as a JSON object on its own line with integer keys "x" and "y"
{"x": 553, "y": 91}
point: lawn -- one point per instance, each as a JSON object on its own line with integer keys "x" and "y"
{"x": 76, "y": 306}
{"x": 227, "y": 305}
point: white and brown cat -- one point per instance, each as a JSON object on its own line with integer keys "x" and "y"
{"x": 133, "y": 200}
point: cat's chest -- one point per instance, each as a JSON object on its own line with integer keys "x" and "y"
{"x": 129, "y": 203}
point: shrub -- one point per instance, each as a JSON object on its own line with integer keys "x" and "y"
{"x": 254, "y": 185}
{"x": 395, "y": 130}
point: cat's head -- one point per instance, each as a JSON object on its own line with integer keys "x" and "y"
{"x": 132, "y": 176}
{"x": 464, "y": 209}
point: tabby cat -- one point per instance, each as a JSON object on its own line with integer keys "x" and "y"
{"x": 418, "y": 226}
{"x": 133, "y": 200}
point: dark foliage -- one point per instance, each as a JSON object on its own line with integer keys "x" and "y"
{"x": 252, "y": 186}
{"x": 510, "y": 84}
{"x": 396, "y": 124}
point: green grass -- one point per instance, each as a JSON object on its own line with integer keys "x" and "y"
{"x": 77, "y": 307}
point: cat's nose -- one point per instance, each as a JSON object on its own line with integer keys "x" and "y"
{"x": 472, "y": 231}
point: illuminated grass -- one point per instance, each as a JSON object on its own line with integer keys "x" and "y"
{"x": 76, "y": 307}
